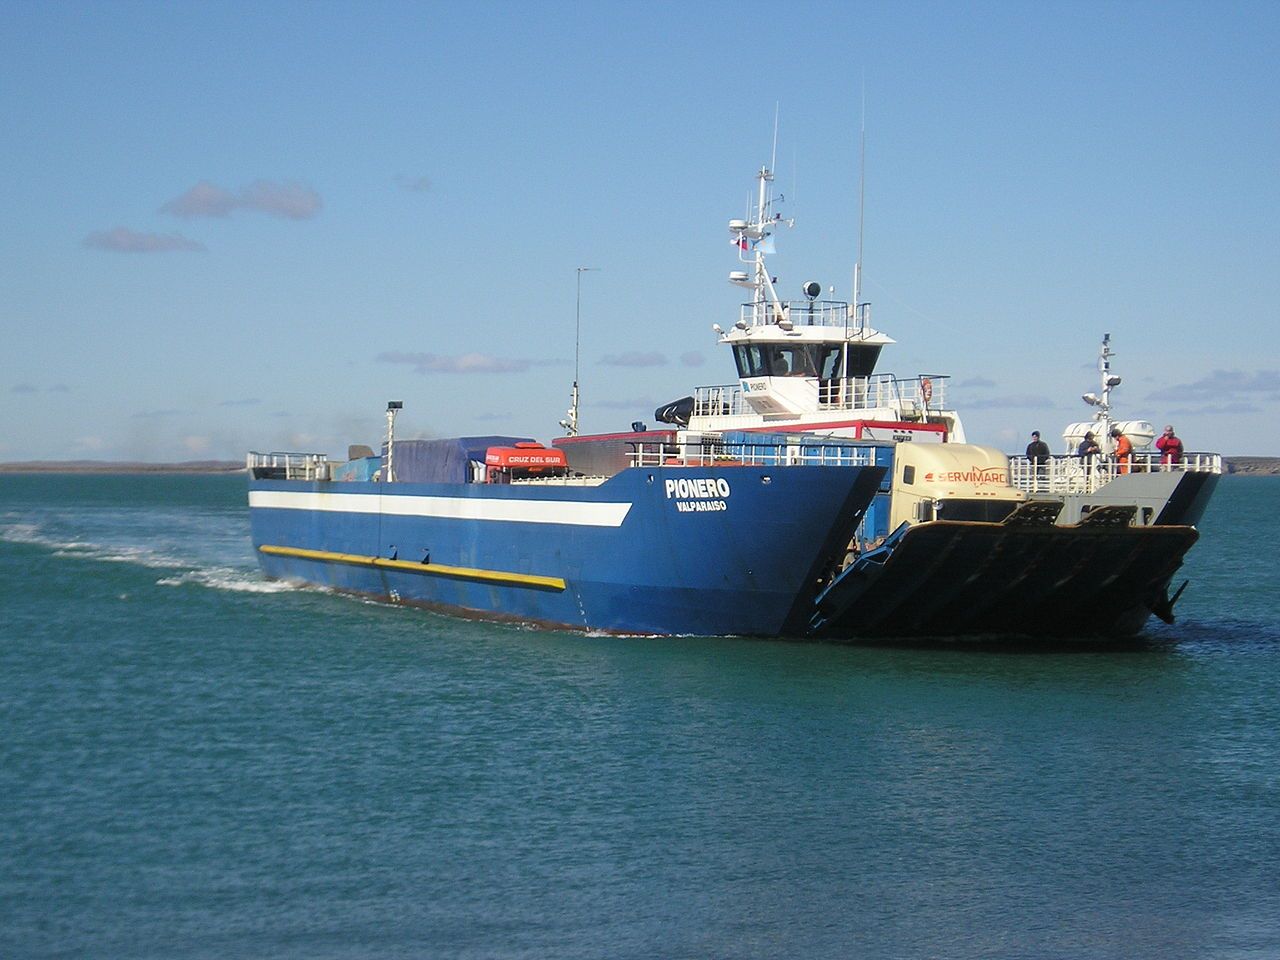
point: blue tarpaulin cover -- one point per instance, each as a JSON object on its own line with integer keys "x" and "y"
{"x": 360, "y": 469}
{"x": 443, "y": 461}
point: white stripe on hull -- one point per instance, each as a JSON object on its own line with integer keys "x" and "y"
{"x": 453, "y": 508}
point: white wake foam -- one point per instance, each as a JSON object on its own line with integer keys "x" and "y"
{"x": 184, "y": 570}
{"x": 225, "y": 579}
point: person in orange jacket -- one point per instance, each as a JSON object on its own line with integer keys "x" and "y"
{"x": 1124, "y": 450}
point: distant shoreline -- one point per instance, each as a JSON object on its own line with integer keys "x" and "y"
{"x": 1260, "y": 466}
{"x": 114, "y": 466}
{"x": 1240, "y": 466}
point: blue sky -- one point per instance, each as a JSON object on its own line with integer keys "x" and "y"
{"x": 234, "y": 226}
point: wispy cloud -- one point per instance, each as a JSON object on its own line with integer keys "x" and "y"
{"x": 202, "y": 200}
{"x": 414, "y": 184}
{"x": 692, "y": 359}
{"x": 634, "y": 358}
{"x": 292, "y": 201}
{"x": 25, "y": 388}
{"x": 1016, "y": 402}
{"x": 982, "y": 382}
{"x": 1231, "y": 409}
{"x": 641, "y": 403}
{"x": 1225, "y": 386}
{"x": 466, "y": 363}
{"x": 248, "y": 402}
{"x": 156, "y": 414}
{"x": 124, "y": 240}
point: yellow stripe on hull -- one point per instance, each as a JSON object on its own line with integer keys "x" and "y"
{"x": 429, "y": 569}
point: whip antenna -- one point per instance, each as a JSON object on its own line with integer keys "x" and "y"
{"x": 862, "y": 206}
{"x": 773, "y": 159}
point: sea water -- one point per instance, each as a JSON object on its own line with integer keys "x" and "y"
{"x": 195, "y": 762}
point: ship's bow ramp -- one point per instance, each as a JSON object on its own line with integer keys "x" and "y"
{"x": 1026, "y": 576}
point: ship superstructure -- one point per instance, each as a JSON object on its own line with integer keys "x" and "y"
{"x": 809, "y": 364}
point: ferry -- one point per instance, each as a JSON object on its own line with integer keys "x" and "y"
{"x": 502, "y": 528}
{"x": 814, "y": 497}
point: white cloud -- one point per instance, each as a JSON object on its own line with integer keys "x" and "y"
{"x": 642, "y": 403}
{"x": 202, "y": 200}
{"x": 155, "y": 414}
{"x": 124, "y": 240}
{"x": 1225, "y": 386}
{"x": 466, "y": 363}
{"x": 1017, "y": 402}
{"x": 634, "y": 358}
{"x": 1232, "y": 409}
{"x": 414, "y": 184}
{"x": 292, "y": 201}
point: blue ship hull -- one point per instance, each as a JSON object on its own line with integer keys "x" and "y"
{"x": 661, "y": 550}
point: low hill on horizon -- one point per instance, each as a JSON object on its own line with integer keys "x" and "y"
{"x": 1255, "y": 465}
{"x": 121, "y": 466}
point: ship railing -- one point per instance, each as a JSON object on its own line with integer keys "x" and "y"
{"x": 1071, "y": 474}
{"x": 806, "y": 313}
{"x": 722, "y": 400}
{"x": 280, "y": 465}
{"x": 711, "y": 453}
{"x": 909, "y": 397}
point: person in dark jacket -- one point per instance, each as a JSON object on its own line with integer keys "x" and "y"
{"x": 1088, "y": 446}
{"x": 1037, "y": 450}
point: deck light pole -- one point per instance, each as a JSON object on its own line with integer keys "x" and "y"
{"x": 392, "y": 407}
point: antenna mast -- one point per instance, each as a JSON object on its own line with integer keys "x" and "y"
{"x": 753, "y": 238}
{"x": 1109, "y": 381}
{"x": 570, "y": 423}
{"x": 862, "y": 206}
{"x": 773, "y": 159}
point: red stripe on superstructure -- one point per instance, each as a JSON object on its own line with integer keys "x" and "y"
{"x": 860, "y": 424}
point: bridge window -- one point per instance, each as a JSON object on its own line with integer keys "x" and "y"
{"x": 750, "y": 360}
{"x": 862, "y": 360}
{"x": 829, "y": 360}
{"x": 777, "y": 359}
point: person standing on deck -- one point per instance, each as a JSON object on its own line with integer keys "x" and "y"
{"x": 1124, "y": 450}
{"x": 1038, "y": 454}
{"x": 1170, "y": 447}
{"x": 1037, "y": 450}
